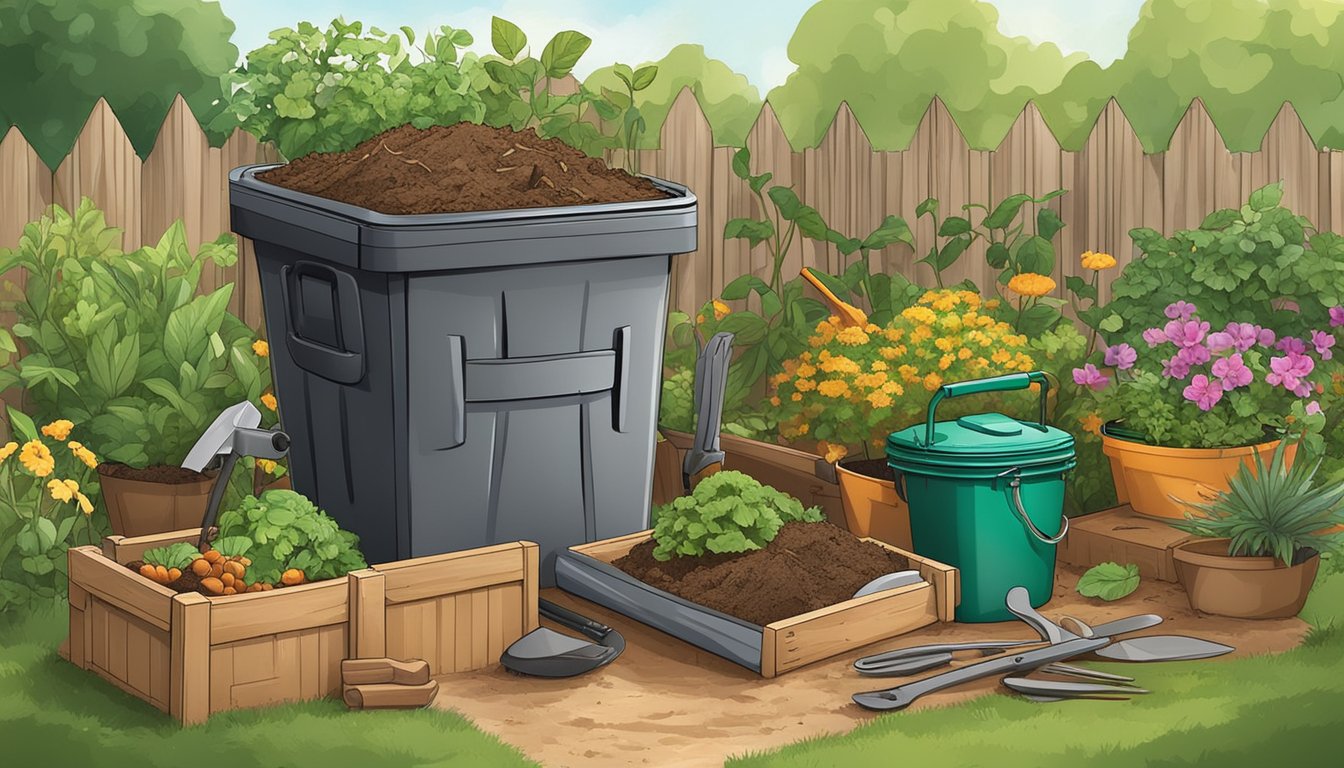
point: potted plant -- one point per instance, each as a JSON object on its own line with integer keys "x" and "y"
{"x": 121, "y": 344}
{"x": 1187, "y": 408}
{"x": 1262, "y": 539}
{"x": 855, "y": 385}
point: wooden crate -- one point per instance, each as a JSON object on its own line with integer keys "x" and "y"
{"x": 192, "y": 656}
{"x": 776, "y": 648}
{"x": 1120, "y": 535}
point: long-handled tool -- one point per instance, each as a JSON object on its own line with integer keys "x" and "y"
{"x": 711, "y": 382}
{"x": 546, "y": 653}
{"x": 233, "y": 433}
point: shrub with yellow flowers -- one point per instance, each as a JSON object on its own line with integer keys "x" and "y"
{"x": 855, "y": 385}
{"x": 47, "y": 492}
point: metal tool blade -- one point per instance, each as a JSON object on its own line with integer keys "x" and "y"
{"x": 908, "y": 661}
{"x": 1163, "y": 648}
{"x": 218, "y": 437}
{"x": 1121, "y": 626}
{"x": 1018, "y": 602}
{"x": 711, "y": 381}
{"x": 1066, "y": 690}
{"x": 1091, "y": 674}
{"x": 889, "y": 581}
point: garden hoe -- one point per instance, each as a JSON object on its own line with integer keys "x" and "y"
{"x": 234, "y": 433}
{"x": 711, "y": 380}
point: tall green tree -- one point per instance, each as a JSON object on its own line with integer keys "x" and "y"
{"x": 889, "y": 58}
{"x": 59, "y": 56}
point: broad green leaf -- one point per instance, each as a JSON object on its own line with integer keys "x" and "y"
{"x": 757, "y": 183}
{"x": 1266, "y": 197}
{"x": 644, "y": 77}
{"x": 892, "y": 230}
{"x": 21, "y": 424}
{"x": 506, "y": 38}
{"x": 1112, "y": 324}
{"x": 929, "y": 206}
{"x": 1048, "y": 223}
{"x": 954, "y": 225}
{"x": 754, "y": 231}
{"x": 747, "y": 327}
{"x": 742, "y": 163}
{"x": 563, "y": 52}
{"x": 1109, "y": 581}
{"x": 1221, "y": 219}
{"x": 997, "y": 255}
{"x": 1036, "y": 255}
{"x": 1081, "y": 288}
{"x": 742, "y": 286}
{"x": 1004, "y": 213}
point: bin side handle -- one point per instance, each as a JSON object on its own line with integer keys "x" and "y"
{"x": 621, "y": 344}
{"x": 343, "y": 366}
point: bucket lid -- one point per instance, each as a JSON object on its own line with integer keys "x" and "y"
{"x": 984, "y": 439}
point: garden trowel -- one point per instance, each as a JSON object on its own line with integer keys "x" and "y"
{"x": 234, "y": 433}
{"x": 711, "y": 381}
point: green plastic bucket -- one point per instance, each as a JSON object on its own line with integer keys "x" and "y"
{"x": 986, "y": 494}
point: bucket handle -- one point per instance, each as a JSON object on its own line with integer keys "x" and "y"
{"x": 1006, "y": 383}
{"x": 1016, "y": 485}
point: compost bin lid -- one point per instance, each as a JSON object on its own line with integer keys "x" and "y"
{"x": 983, "y": 440}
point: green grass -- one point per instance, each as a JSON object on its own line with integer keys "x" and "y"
{"x": 1258, "y": 711}
{"x": 52, "y": 714}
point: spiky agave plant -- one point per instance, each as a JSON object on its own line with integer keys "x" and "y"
{"x": 1275, "y": 511}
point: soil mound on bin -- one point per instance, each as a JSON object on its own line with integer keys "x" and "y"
{"x": 808, "y": 566}
{"x": 458, "y": 168}
{"x": 156, "y": 474}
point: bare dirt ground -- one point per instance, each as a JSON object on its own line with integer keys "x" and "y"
{"x": 667, "y": 703}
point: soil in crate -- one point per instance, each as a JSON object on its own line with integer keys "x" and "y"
{"x": 808, "y": 566}
{"x": 187, "y": 582}
{"x": 457, "y": 168}
{"x": 155, "y": 474}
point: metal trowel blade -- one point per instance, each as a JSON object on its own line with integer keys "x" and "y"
{"x": 1163, "y": 648}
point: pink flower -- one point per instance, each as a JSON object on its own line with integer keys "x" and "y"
{"x": 1336, "y": 317}
{"x": 1323, "y": 342}
{"x": 1313, "y": 408}
{"x": 1233, "y": 372}
{"x": 1193, "y": 356}
{"x": 1243, "y": 336}
{"x": 1154, "y": 336}
{"x": 1264, "y": 336}
{"x": 1123, "y": 356}
{"x": 1289, "y": 372}
{"x": 1220, "y": 341}
{"x": 1088, "y": 376}
{"x": 1292, "y": 345}
{"x": 1175, "y": 368}
{"x": 1186, "y": 333}
{"x": 1203, "y": 392}
{"x": 1181, "y": 310}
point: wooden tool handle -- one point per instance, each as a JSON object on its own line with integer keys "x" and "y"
{"x": 848, "y": 313}
{"x": 384, "y": 670}
{"x": 390, "y": 695}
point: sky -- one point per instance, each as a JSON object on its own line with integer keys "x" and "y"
{"x": 751, "y": 37}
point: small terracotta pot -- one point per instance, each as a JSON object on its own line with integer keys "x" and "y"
{"x": 1242, "y": 587}
{"x": 872, "y": 507}
{"x": 140, "y": 508}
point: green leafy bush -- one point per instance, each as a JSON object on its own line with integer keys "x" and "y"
{"x": 289, "y": 531}
{"x": 179, "y": 555}
{"x": 728, "y": 512}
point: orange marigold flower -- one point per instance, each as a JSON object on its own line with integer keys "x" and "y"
{"x": 1031, "y": 284}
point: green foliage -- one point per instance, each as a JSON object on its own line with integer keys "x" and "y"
{"x": 314, "y": 90}
{"x": 622, "y": 108}
{"x": 177, "y": 555}
{"x": 120, "y": 343}
{"x": 676, "y": 408}
{"x": 1090, "y": 487}
{"x": 1109, "y": 581}
{"x": 1272, "y": 511}
{"x": 727, "y": 512}
{"x": 59, "y": 56}
{"x": 287, "y": 531}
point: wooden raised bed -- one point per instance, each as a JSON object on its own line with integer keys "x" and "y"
{"x": 586, "y": 570}
{"x": 192, "y": 656}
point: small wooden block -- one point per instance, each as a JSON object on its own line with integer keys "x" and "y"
{"x": 1121, "y": 536}
{"x": 384, "y": 670}
{"x": 390, "y": 695}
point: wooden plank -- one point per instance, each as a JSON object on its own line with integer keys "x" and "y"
{"x": 103, "y": 166}
{"x": 189, "y": 695}
{"x": 310, "y": 685}
{"x": 221, "y": 678}
{"x": 138, "y": 672}
{"x": 257, "y": 614}
{"x": 116, "y": 645}
{"x": 687, "y": 155}
{"x": 531, "y": 585}
{"x": 124, "y": 549}
{"x": 946, "y": 580}
{"x": 512, "y": 610}
{"x": 462, "y": 660}
{"x": 769, "y": 651}
{"x": 116, "y": 585}
{"x": 1121, "y": 536}
{"x": 480, "y": 629}
{"x": 821, "y": 634}
{"x": 494, "y": 635}
{"x": 80, "y": 638}
{"x": 609, "y": 550}
{"x": 424, "y": 577}
{"x": 445, "y": 660}
{"x": 368, "y": 609}
{"x": 160, "y": 669}
{"x": 332, "y": 647}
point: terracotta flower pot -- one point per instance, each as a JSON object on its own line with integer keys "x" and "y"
{"x": 1147, "y": 477}
{"x": 139, "y": 507}
{"x": 872, "y": 508}
{"x": 1242, "y": 587}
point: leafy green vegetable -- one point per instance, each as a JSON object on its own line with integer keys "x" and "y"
{"x": 728, "y": 512}
{"x": 287, "y": 531}
{"x": 232, "y": 546}
{"x": 177, "y": 555}
{"x": 1109, "y": 581}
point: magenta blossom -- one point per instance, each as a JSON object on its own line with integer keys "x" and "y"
{"x": 1292, "y": 345}
{"x": 1243, "y": 335}
{"x": 1323, "y": 342}
{"x": 1088, "y": 376}
{"x": 1175, "y": 368}
{"x": 1313, "y": 408}
{"x": 1220, "y": 341}
{"x": 1264, "y": 336}
{"x": 1203, "y": 392}
{"x": 1154, "y": 336}
{"x": 1336, "y": 317}
{"x": 1193, "y": 356}
{"x": 1233, "y": 372}
{"x": 1186, "y": 333}
{"x": 1289, "y": 372}
{"x": 1181, "y": 310}
{"x": 1123, "y": 356}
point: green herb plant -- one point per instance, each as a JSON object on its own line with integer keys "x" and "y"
{"x": 286, "y": 530}
{"x": 179, "y": 555}
{"x": 727, "y": 512}
{"x": 1109, "y": 581}
{"x": 620, "y": 108}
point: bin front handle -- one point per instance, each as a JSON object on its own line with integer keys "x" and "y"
{"x": 343, "y": 366}
{"x": 1007, "y": 383}
{"x": 1016, "y": 485}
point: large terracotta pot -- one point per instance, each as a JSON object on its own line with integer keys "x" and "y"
{"x": 1150, "y": 478}
{"x": 140, "y": 508}
{"x": 1242, "y": 587}
{"x": 872, "y": 507}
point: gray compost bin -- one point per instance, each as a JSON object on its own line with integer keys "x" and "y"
{"x": 456, "y": 380}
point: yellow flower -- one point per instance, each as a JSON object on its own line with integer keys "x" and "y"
{"x": 878, "y": 365}
{"x": 59, "y": 429}
{"x": 721, "y": 310}
{"x": 893, "y": 388}
{"x": 8, "y": 450}
{"x": 1031, "y": 284}
{"x": 802, "y": 428}
{"x": 921, "y": 334}
{"x": 1001, "y": 356}
{"x": 37, "y": 458}
{"x": 833, "y": 388}
{"x": 835, "y": 452}
{"x": 894, "y": 334}
{"x": 879, "y": 400}
{"x": 946, "y": 362}
{"x": 919, "y": 315}
{"x": 699, "y": 319}
{"x": 775, "y": 401}
{"x": 932, "y": 382}
{"x": 1091, "y": 423}
{"x": 797, "y": 397}
{"x": 83, "y": 454}
{"x": 945, "y": 344}
{"x": 268, "y": 400}
{"x": 806, "y": 371}
{"x": 805, "y": 385}
{"x": 950, "y": 323}
{"x": 63, "y": 490}
{"x": 992, "y": 304}
{"x": 1097, "y": 261}
{"x": 838, "y": 364}
{"x": 964, "y": 353}
{"x": 909, "y": 372}
{"x": 853, "y": 337}
{"x": 267, "y": 466}
{"x": 261, "y": 348}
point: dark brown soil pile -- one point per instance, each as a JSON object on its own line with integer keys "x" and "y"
{"x": 154, "y": 474}
{"x": 462, "y": 167}
{"x": 808, "y": 566}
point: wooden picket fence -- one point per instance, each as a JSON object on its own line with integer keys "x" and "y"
{"x": 1113, "y": 186}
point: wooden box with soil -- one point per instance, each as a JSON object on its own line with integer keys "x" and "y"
{"x": 774, "y": 610}
{"x": 192, "y": 655}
